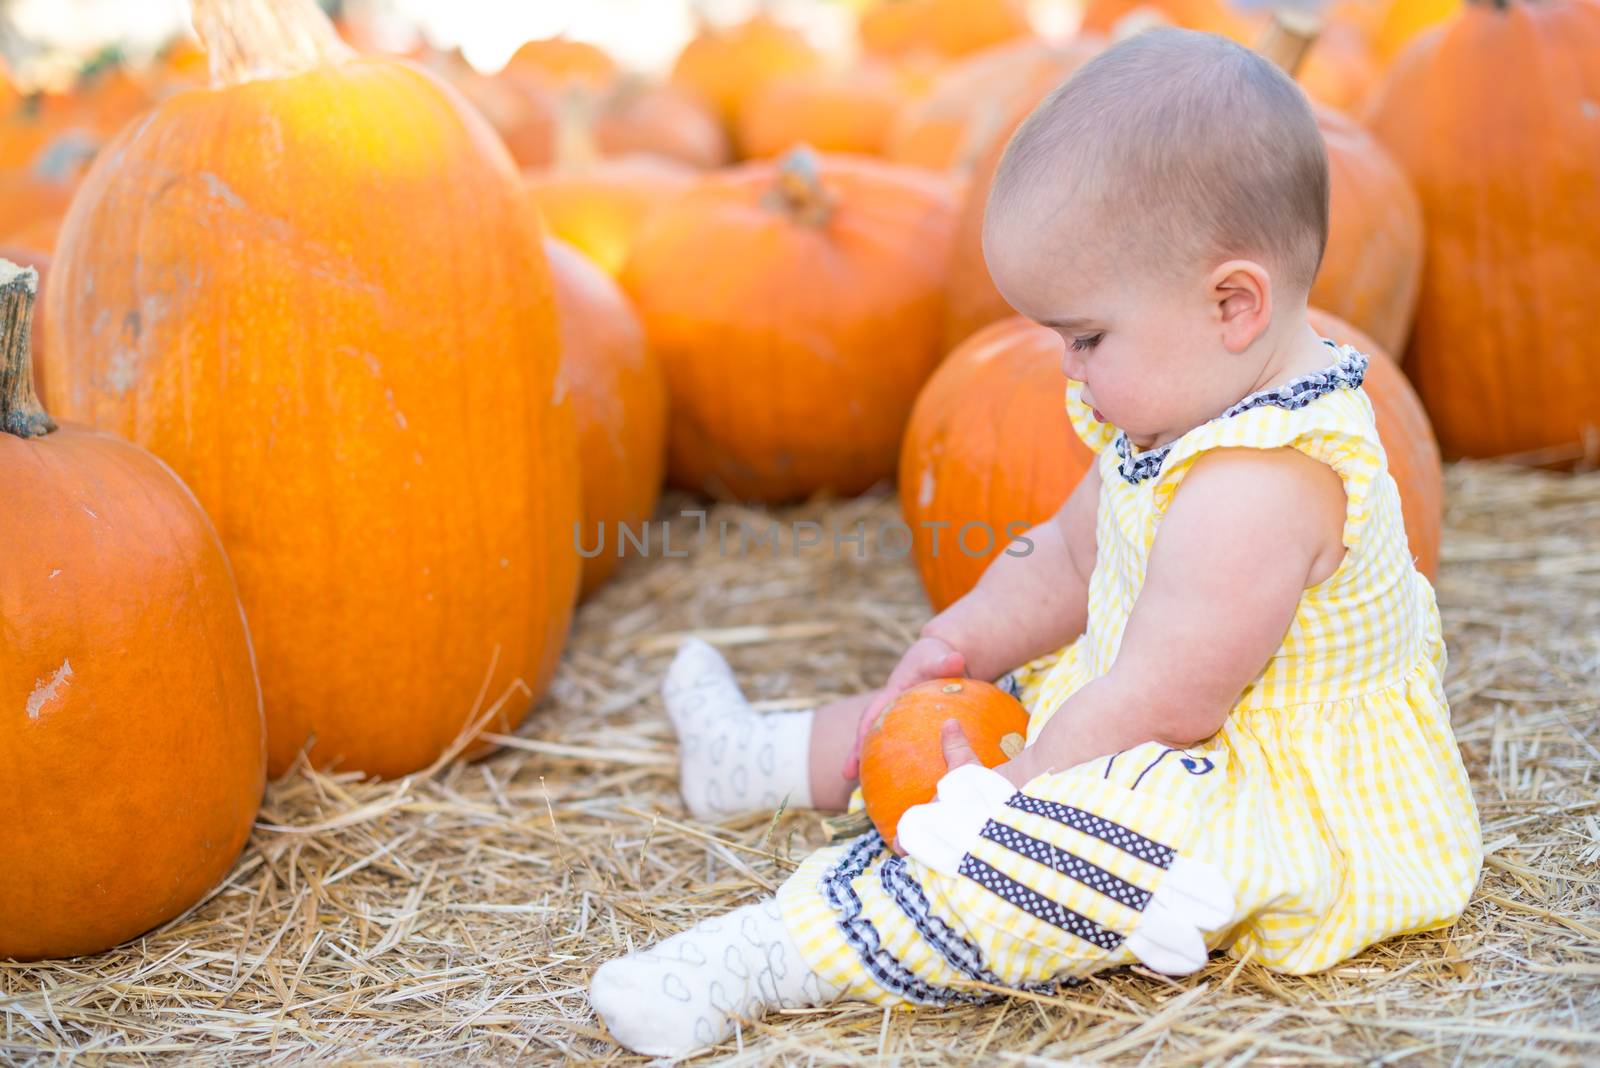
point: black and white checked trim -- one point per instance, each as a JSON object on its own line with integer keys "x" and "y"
{"x": 1069, "y": 864}
{"x": 863, "y": 937}
{"x": 961, "y": 954}
{"x": 1347, "y": 372}
{"x": 1113, "y": 834}
{"x": 1037, "y": 905}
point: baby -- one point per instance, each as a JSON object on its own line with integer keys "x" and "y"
{"x": 1238, "y": 734}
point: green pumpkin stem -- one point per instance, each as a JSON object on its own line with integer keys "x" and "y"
{"x": 20, "y": 411}
{"x": 799, "y": 191}
{"x": 249, "y": 40}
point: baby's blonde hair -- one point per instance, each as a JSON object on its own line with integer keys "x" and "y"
{"x": 1191, "y": 144}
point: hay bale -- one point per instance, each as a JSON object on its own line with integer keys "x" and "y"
{"x": 458, "y": 914}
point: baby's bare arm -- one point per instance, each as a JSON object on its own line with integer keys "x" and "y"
{"x": 1246, "y": 535}
{"x": 1022, "y": 608}
{"x": 1027, "y": 605}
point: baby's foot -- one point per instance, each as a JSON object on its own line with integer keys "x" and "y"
{"x": 732, "y": 758}
{"x": 688, "y": 992}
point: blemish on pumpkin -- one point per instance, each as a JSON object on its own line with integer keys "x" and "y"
{"x": 222, "y": 190}
{"x": 123, "y": 372}
{"x": 925, "y": 489}
{"x": 46, "y": 691}
{"x": 90, "y": 511}
{"x": 952, "y": 687}
{"x": 54, "y": 573}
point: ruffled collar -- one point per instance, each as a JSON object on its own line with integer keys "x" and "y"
{"x": 1346, "y": 372}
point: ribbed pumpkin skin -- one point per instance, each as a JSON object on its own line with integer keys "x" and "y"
{"x": 989, "y": 440}
{"x": 321, "y": 299}
{"x": 793, "y": 351}
{"x": 902, "y": 758}
{"x": 1508, "y": 169}
{"x": 132, "y": 748}
{"x": 620, "y": 399}
{"x": 1372, "y": 269}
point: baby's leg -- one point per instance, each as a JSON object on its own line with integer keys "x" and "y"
{"x": 690, "y": 990}
{"x": 735, "y": 759}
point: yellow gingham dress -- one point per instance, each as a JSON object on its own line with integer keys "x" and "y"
{"x": 1333, "y": 801}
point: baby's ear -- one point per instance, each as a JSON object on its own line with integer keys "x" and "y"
{"x": 1241, "y": 291}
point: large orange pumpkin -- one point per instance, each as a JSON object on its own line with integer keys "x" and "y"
{"x": 977, "y": 102}
{"x": 902, "y": 757}
{"x": 599, "y": 207}
{"x": 725, "y": 66}
{"x": 1508, "y": 169}
{"x": 942, "y": 27}
{"x": 620, "y": 399}
{"x": 989, "y": 445}
{"x": 316, "y": 291}
{"x": 1372, "y": 268}
{"x": 132, "y": 748}
{"x": 836, "y": 112}
{"x": 1404, "y": 20}
{"x": 1407, "y": 438}
{"x": 1369, "y": 271}
{"x": 796, "y": 343}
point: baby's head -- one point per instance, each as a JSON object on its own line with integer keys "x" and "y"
{"x": 1165, "y": 210}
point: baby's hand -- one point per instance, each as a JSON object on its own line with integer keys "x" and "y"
{"x": 926, "y": 660}
{"x": 942, "y": 827}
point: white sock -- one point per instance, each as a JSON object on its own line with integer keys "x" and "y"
{"x": 732, "y": 758}
{"x": 687, "y": 992}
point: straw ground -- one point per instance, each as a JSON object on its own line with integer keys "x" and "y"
{"x": 457, "y": 915}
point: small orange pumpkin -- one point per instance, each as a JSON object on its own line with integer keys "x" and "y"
{"x": 902, "y": 759}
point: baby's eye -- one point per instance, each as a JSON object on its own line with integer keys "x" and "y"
{"x": 1084, "y": 344}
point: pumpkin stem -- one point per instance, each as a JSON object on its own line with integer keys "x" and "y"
{"x": 798, "y": 189}
{"x": 20, "y": 411}
{"x": 248, "y": 40}
{"x": 1288, "y": 38}
{"x": 575, "y": 141}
